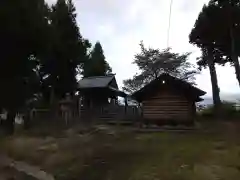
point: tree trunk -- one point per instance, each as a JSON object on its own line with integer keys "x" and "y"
{"x": 237, "y": 67}
{"x": 234, "y": 57}
{"x": 214, "y": 82}
{"x": 10, "y": 122}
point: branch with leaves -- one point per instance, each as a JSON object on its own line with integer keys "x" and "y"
{"x": 153, "y": 62}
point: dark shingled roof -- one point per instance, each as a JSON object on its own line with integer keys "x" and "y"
{"x": 96, "y": 82}
{"x": 99, "y": 82}
{"x": 177, "y": 85}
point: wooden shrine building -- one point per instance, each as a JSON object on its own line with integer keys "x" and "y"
{"x": 168, "y": 100}
{"x": 99, "y": 90}
{"x": 99, "y": 96}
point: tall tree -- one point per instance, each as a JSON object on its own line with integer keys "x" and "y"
{"x": 153, "y": 62}
{"x": 208, "y": 59}
{"x": 229, "y": 39}
{"x": 204, "y": 36}
{"x": 67, "y": 51}
{"x": 96, "y": 65}
{"x": 219, "y": 27}
{"x": 22, "y": 37}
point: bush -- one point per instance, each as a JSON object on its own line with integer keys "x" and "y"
{"x": 228, "y": 109}
{"x": 207, "y": 111}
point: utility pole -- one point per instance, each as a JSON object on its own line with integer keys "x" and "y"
{"x": 169, "y": 22}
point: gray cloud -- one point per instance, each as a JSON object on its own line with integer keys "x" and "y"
{"x": 121, "y": 24}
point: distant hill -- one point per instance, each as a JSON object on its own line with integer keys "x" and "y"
{"x": 224, "y": 97}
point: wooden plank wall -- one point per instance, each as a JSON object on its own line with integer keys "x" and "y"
{"x": 168, "y": 105}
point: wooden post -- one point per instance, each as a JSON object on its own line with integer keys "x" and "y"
{"x": 194, "y": 112}
{"x": 79, "y": 106}
{"x": 52, "y": 96}
{"x": 142, "y": 121}
{"x": 126, "y": 104}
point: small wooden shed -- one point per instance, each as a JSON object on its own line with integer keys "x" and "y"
{"x": 168, "y": 100}
{"x": 98, "y": 99}
{"x": 96, "y": 91}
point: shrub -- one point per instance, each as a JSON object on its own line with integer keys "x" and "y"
{"x": 228, "y": 109}
{"x": 207, "y": 111}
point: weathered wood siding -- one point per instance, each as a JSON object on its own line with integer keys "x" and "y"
{"x": 167, "y": 105}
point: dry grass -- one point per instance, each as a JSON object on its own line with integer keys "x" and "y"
{"x": 209, "y": 154}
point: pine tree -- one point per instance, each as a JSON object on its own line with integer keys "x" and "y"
{"x": 216, "y": 31}
{"x": 96, "y": 65}
{"x": 68, "y": 50}
{"x": 208, "y": 34}
{"x": 23, "y": 38}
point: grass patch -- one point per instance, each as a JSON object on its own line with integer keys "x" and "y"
{"x": 118, "y": 154}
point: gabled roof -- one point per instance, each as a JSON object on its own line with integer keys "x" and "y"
{"x": 97, "y": 82}
{"x": 176, "y": 84}
{"x": 101, "y": 82}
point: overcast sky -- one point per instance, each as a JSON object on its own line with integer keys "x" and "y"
{"x": 120, "y": 25}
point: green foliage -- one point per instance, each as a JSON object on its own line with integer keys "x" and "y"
{"x": 153, "y": 62}
{"x": 67, "y": 50}
{"x": 96, "y": 65}
{"x": 228, "y": 109}
{"x": 20, "y": 48}
{"x": 208, "y": 34}
{"x": 204, "y": 34}
{"x": 134, "y": 84}
{"x": 40, "y": 47}
{"x": 207, "y": 111}
{"x": 209, "y": 31}
{"x": 23, "y": 37}
{"x": 217, "y": 30}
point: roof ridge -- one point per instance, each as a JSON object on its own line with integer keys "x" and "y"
{"x": 181, "y": 80}
{"x": 93, "y": 77}
{"x": 96, "y": 81}
{"x": 173, "y": 79}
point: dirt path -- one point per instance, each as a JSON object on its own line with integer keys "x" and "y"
{"x": 10, "y": 169}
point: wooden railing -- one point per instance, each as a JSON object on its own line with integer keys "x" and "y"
{"x": 105, "y": 113}
{"x": 110, "y": 113}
